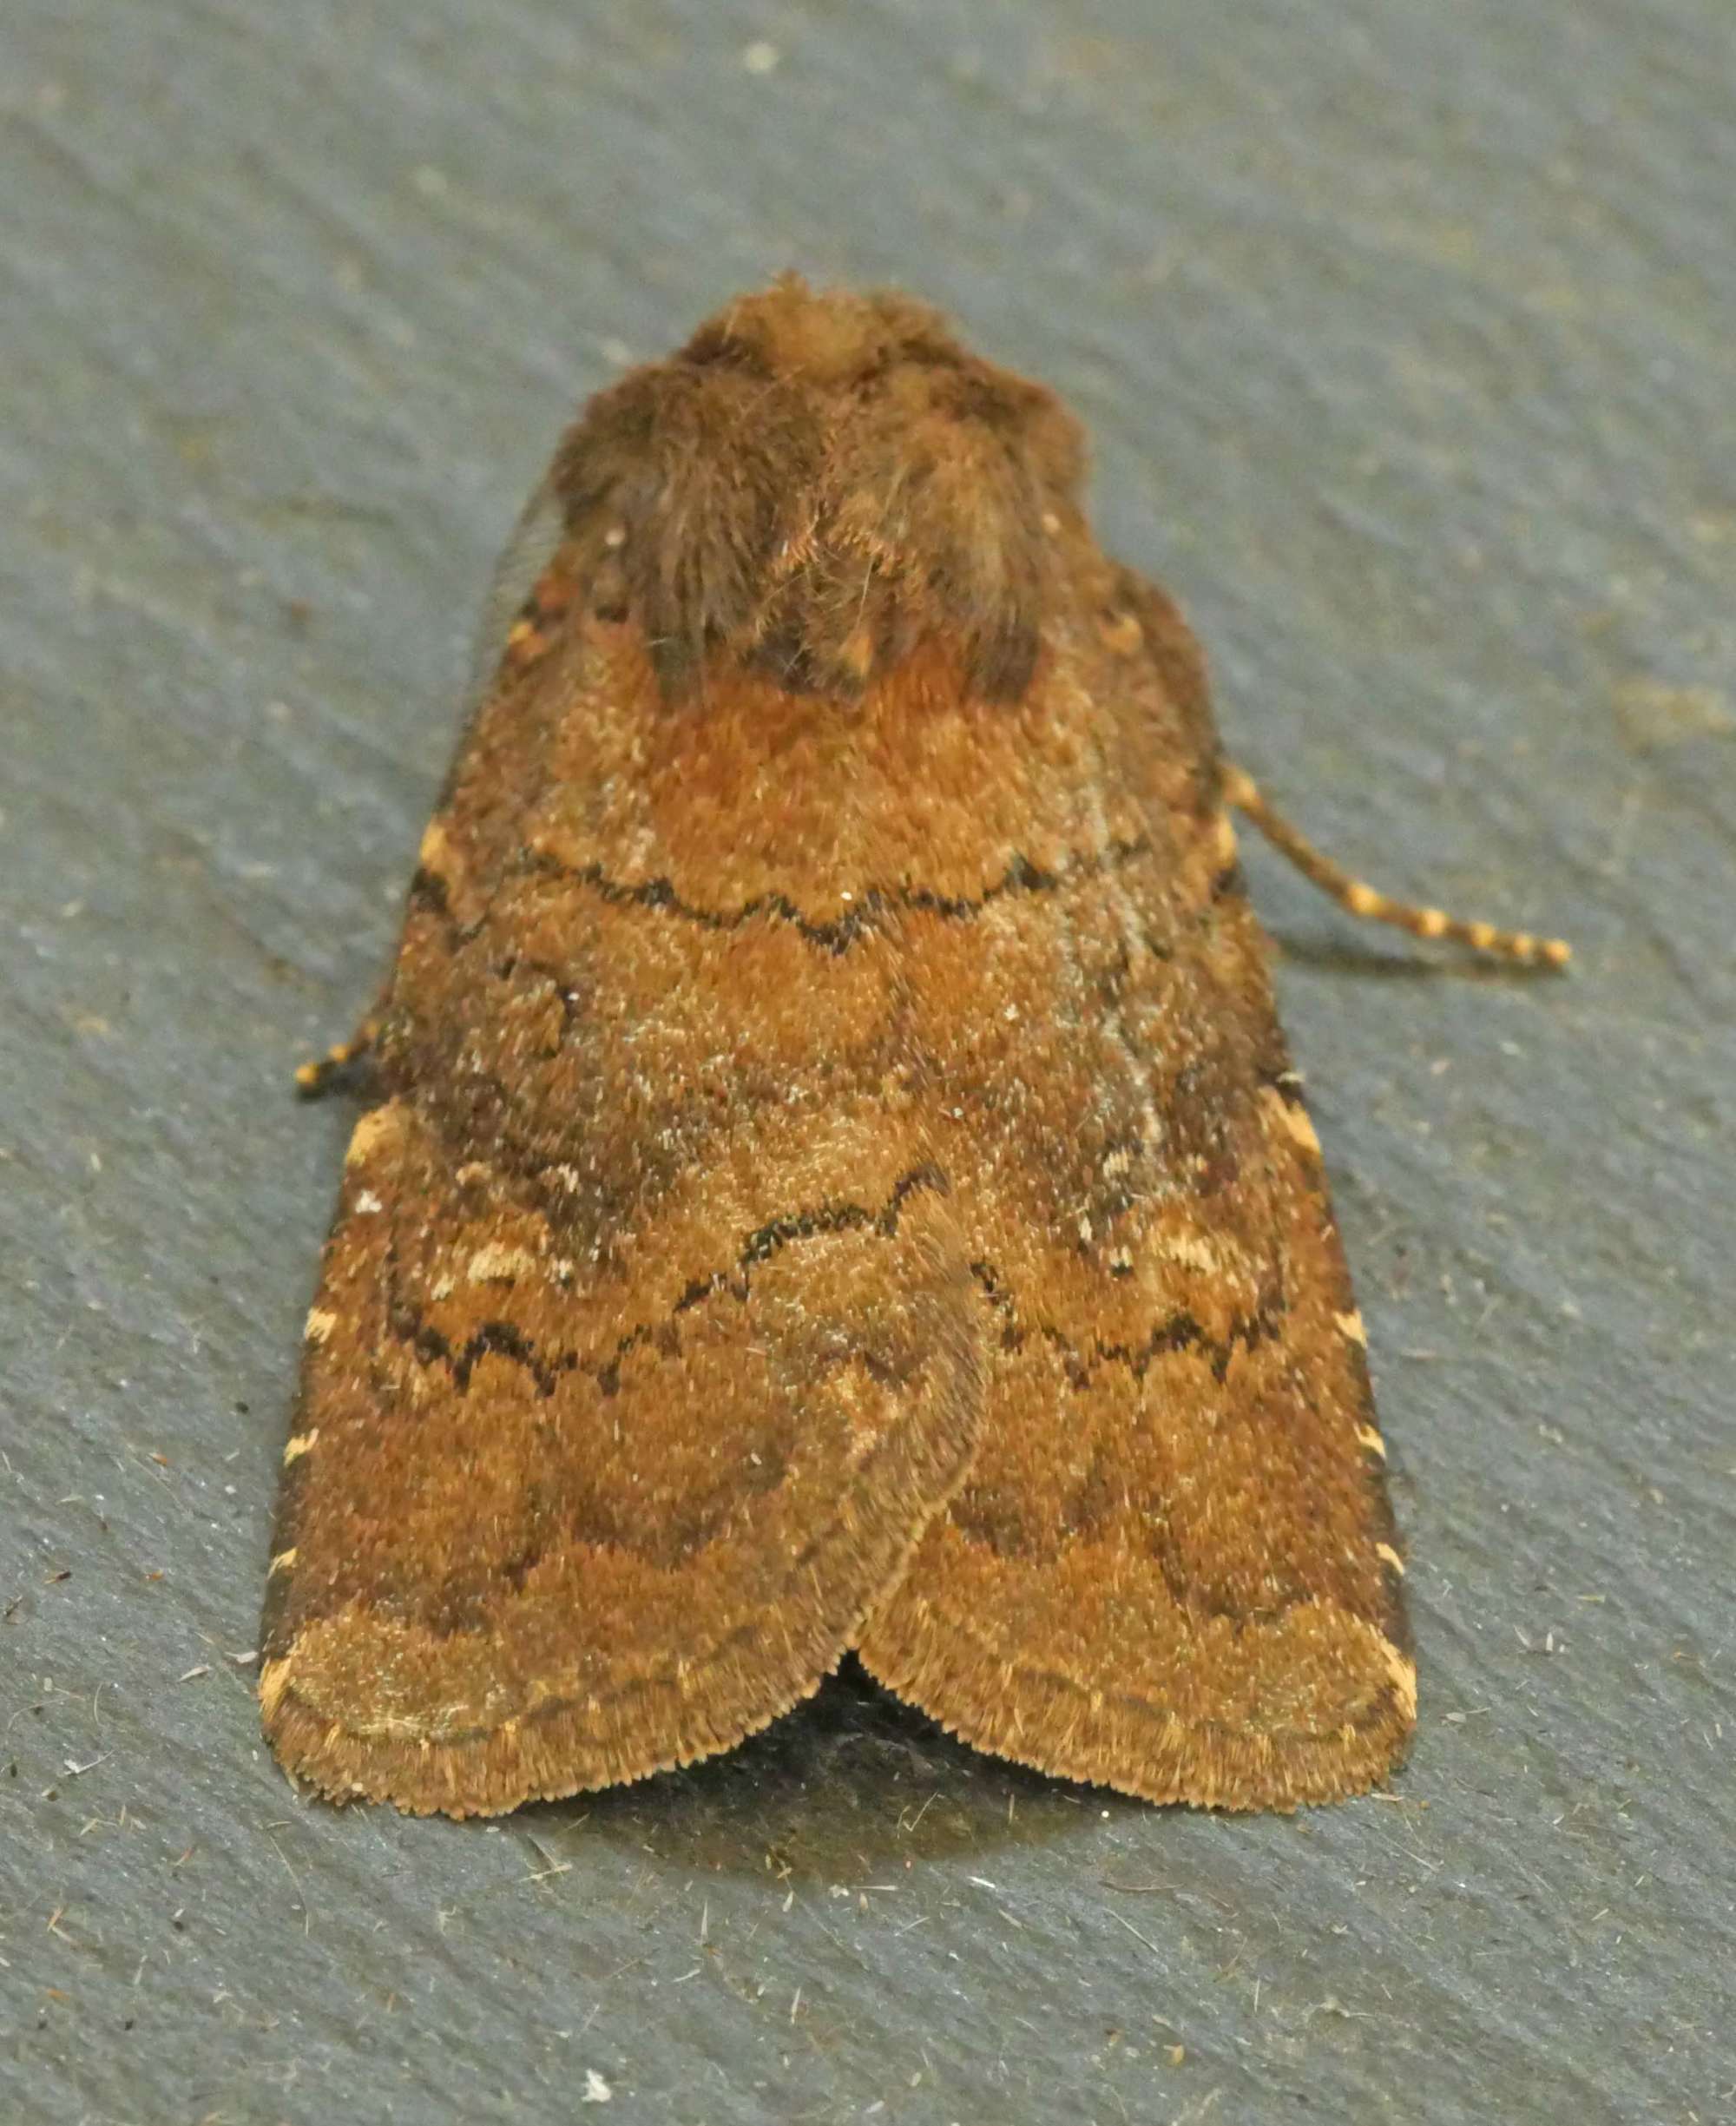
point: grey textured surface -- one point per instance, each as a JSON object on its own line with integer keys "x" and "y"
{"x": 1405, "y": 334}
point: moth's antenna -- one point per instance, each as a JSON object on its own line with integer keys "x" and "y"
{"x": 1363, "y": 899}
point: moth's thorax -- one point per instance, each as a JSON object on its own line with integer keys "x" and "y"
{"x": 818, "y": 484}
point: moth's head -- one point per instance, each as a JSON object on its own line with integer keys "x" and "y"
{"x": 819, "y": 480}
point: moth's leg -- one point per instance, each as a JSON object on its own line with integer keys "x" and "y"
{"x": 338, "y": 1066}
{"x": 1361, "y": 900}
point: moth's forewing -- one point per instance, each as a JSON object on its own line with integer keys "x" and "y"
{"x": 1172, "y": 1569}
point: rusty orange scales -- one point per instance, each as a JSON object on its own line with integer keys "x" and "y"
{"x": 832, "y": 1176}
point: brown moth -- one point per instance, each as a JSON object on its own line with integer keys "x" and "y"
{"x": 834, "y": 1176}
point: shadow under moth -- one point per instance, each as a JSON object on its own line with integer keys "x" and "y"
{"x": 834, "y": 1177}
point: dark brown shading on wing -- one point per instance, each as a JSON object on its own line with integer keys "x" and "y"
{"x": 549, "y": 1524}
{"x": 1172, "y": 1569}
